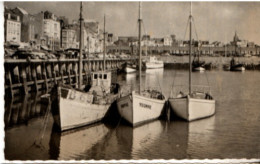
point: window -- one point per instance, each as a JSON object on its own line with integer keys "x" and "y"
{"x": 95, "y": 76}
{"x": 105, "y": 76}
{"x": 55, "y": 27}
{"x": 100, "y": 76}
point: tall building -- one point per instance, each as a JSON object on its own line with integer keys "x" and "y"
{"x": 51, "y": 30}
{"x": 27, "y": 24}
{"x": 12, "y": 26}
{"x": 92, "y": 41}
{"x": 69, "y": 38}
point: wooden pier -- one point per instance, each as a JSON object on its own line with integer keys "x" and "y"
{"x": 26, "y": 76}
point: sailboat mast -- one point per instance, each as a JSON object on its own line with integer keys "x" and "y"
{"x": 80, "y": 47}
{"x": 104, "y": 51}
{"x": 190, "y": 18}
{"x": 140, "y": 50}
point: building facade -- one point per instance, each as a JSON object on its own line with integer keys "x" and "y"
{"x": 69, "y": 38}
{"x": 27, "y": 25}
{"x": 12, "y": 27}
{"x": 51, "y": 30}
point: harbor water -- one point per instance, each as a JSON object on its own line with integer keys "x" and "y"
{"x": 233, "y": 132}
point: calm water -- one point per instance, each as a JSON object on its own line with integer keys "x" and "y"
{"x": 232, "y": 133}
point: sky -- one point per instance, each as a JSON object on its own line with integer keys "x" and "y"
{"x": 213, "y": 21}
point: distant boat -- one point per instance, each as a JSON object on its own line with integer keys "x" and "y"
{"x": 197, "y": 64}
{"x": 192, "y": 105}
{"x": 153, "y": 62}
{"x": 236, "y": 66}
{"x": 130, "y": 67}
{"x": 72, "y": 108}
{"x": 143, "y": 106}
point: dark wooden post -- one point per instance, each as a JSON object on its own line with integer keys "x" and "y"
{"x": 24, "y": 79}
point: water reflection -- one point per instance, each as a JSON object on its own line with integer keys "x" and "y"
{"x": 76, "y": 143}
{"x": 153, "y": 78}
{"x": 139, "y": 139}
{"x": 232, "y": 133}
{"x": 20, "y": 110}
{"x": 201, "y": 138}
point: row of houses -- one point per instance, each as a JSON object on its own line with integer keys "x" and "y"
{"x": 48, "y": 31}
{"x": 173, "y": 42}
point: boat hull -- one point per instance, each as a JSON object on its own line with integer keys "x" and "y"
{"x": 130, "y": 69}
{"x": 72, "y": 144}
{"x": 199, "y": 69}
{"x": 149, "y": 65}
{"x": 75, "y": 109}
{"x": 240, "y": 68}
{"x": 137, "y": 109}
{"x": 192, "y": 108}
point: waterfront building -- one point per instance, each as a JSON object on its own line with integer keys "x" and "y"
{"x": 158, "y": 42}
{"x": 27, "y": 25}
{"x": 51, "y": 29}
{"x": 12, "y": 26}
{"x": 47, "y": 30}
{"x": 69, "y": 38}
{"x": 110, "y": 39}
{"x": 167, "y": 41}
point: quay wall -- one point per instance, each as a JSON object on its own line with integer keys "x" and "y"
{"x": 31, "y": 76}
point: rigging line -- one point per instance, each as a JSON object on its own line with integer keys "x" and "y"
{"x": 144, "y": 27}
{"x": 195, "y": 29}
{"x": 186, "y": 29}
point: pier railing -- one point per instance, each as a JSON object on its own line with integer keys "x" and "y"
{"x": 24, "y": 76}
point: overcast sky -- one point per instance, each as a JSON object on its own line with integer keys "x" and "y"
{"x": 214, "y": 21}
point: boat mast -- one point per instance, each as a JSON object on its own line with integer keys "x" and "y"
{"x": 80, "y": 47}
{"x": 104, "y": 51}
{"x": 88, "y": 53}
{"x": 140, "y": 50}
{"x": 190, "y": 19}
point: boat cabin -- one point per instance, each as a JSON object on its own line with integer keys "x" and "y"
{"x": 102, "y": 79}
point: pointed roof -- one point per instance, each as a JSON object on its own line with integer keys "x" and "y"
{"x": 24, "y": 12}
{"x": 236, "y": 37}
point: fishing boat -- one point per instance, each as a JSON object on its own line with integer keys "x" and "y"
{"x": 195, "y": 104}
{"x": 130, "y": 68}
{"x": 197, "y": 64}
{"x": 138, "y": 107}
{"x": 236, "y": 66}
{"x": 72, "y": 108}
{"x": 153, "y": 63}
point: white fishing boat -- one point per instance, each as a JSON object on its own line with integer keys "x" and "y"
{"x": 145, "y": 105}
{"x": 72, "y": 108}
{"x": 199, "y": 69}
{"x": 195, "y": 104}
{"x": 153, "y": 63}
{"x": 130, "y": 68}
